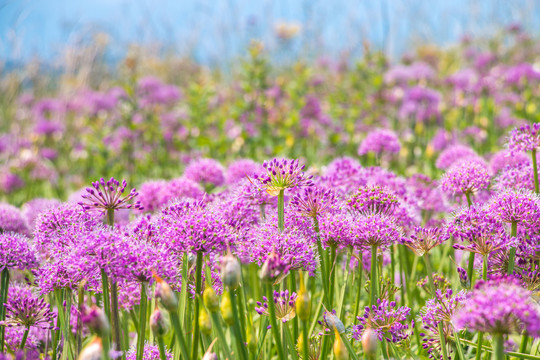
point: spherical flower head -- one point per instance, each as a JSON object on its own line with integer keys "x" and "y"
{"x": 179, "y": 188}
{"x": 424, "y": 239}
{"x": 109, "y": 195}
{"x": 377, "y": 230}
{"x": 339, "y": 229}
{"x": 27, "y": 310}
{"x": 373, "y": 200}
{"x": 386, "y": 320}
{"x": 524, "y": 138}
{"x": 240, "y": 169}
{"x": 12, "y": 220}
{"x": 313, "y": 201}
{"x": 149, "y": 195}
{"x": 32, "y": 209}
{"x": 511, "y": 206}
{"x": 285, "y": 305}
{"x": 16, "y": 252}
{"x": 13, "y": 339}
{"x": 343, "y": 176}
{"x": 9, "y": 182}
{"x": 454, "y": 153}
{"x": 513, "y": 311}
{"x": 380, "y": 141}
{"x": 282, "y": 174}
{"x": 505, "y": 158}
{"x": 466, "y": 177}
{"x": 151, "y": 352}
{"x": 207, "y": 172}
{"x": 515, "y": 177}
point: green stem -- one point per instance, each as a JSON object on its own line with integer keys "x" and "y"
{"x": 458, "y": 345}
{"x": 80, "y": 303}
{"x": 349, "y": 347}
{"x": 216, "y": 324}
{"x": 179, "y": 334}
{"x": 115, "y": 315}
{"x": 281, "y": 209}
{"x": 4, "y": 285}
{"x": 484, "y": 267}
{"x": 470, "y": 268}
{"x": 373, "y": 292}
{"x": 273, "y": 322}
{"x": 468, "y": 196}
{"x": 344, "y": 286}
{"x": 535, "y": 171}
{"x": 305, "y": 340}
{"x": 524, "y": 340}
{"x": 106, "y": 347}
{"x": 236, "y": 326}
{"x": 479, "y": 346}
{"x": 142, "y": 323}
{"x": 332, "y": 274}
{"x": 498, "y": 351}
{"x": 512, "y": 253}
{"x": 359, "y": 290}
{"x": 106, "y": 298}
{"x": 322, "y": 259}
{"x": 196, "y": 329}
{"x": 292, "y": 285}
{"x": 161, "y": 345}
{"x": 429, "y": 269}
{"x": 110, "y": 217}
{"x": 290, "y": 340}
{"x": 25, "y": 336}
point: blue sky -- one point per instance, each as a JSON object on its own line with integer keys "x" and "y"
{"x": 212, "y": 31}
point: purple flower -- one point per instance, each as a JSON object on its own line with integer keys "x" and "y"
{"x": 285, "y": 305}
{"x": 26, "y": 310}
{"x": 179, "y": 188}
{"x": 207, "y": 172}
{"x": 514, "y": 207}
{"x": 151, "y": 352}
{"x": 281, "y": 174}
{"x": 465, "y": 177}
{"x": 525, "y": 138}
{"x": 372, "y": 200}
{"x": 387, "y": 321}
{"x": 313, "y": 201}
{"x": 149, "y": 195}
{"x": 9, "y": 182}
{"x": 342, "y": 176}
{"x": 420, "y": 103}
{"x": 109, "y": 196}
{"x": 505, "y": 158}
{"x": 425, "y": 239}
{"x": 240, "y": 169}
{"x": 339, "y": 228}
{"x": 515, "y": 177}
{"x": 12, "y": 220}
{"x": 380, "y": 141}
{"x": 32, "y": 209}
{"x": 377, "y": 230}
{"x": 513, "y": 311}
{"x": 452, "y": 154}
{"x": 16, "y": 252}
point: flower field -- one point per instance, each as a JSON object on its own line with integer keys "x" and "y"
{"x": 351, "y": 209}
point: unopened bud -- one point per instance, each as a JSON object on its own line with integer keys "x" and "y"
{"x": 158, "y": 323}
{"x": 303, "y": 303}
{"x": 333, "y": 322}
{"x": 340, "y": 351}
{"x": 210, "y": 299}
{"x": 226, "y": 308}
{"x": 96, "y": 320}
{"x": 92, "y": 351}
{"x": 204, "y": 322}
{"x": 369, "y": 343}
{"x": 231, "y": 273}
{"x": 165, "y": 294}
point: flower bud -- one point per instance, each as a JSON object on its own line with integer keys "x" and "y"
{"x": 231, "y": 272}
{"x": 158, "y": 323}
{"x": 340, "y": 351}
{"x": 210, "y": 356}
{"x": 369, "y": 343}
{"x": 165, "y": 294}
{"x": 210, "y": 299}
{"x": 204, "y": 322}
{"x": 96, "y": 320}
{"x": 333, "y": 322}
{"x": 303, "y": 303}
{"x": 92, "y": 351}
{"x": 251, "y": 339}
{"x": 226, "y": 308}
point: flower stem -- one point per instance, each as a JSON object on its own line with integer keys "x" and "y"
{"x": 498, "y": 351}
{"x": 273, "y": 322}
{"x": 4, "y": 285}
{"x": 289, "y": 340}
{"x": 373, "y": 275}
{"x": 349, "y": 347}
{"x": 535, "y": 171}
{"x": 115, "y": 315}
{"x": 179, "y": 334}
{"x": 236, "y": 326}
{"x": 345, "y": 284}
{"x": 524, "y": 340}
{"x": 216, "y": 324}
{"x": 322, "y": 259}
{"x": 512, "y": 253}
{"x": 142, "y": 323}
{"x": 80, "y": 304}
{"x": 281, "y": 209}
{"x": 161, "y": 345}
{"x": 470, "y": 268}
{"x": 25, "y": 336}
{"x": 479, "y": 346}
{"x": 332, "y": 274}
{"x": 106, "y": 298}
{"x": 305, "y": 340}
{"x": 484, "y": 267}
{"x": 196, "y": 330}
{"x": 106, "y": 347}
{"x": 429, "y": 269}
{"x": 468, "y": 196}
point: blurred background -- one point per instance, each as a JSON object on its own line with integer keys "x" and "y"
{"x": 216, "y": 32}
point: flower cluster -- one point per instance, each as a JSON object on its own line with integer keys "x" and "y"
{"x": 284, "y": 302}
{"x": 313, "y": 201}
{"x": 16, "y": 252}
{"x": 281, "y": 174}
{"x": 466, "y": 177}
{"x": 525, "y": 138}
{"x": 109, "y": 195}
{"x": 380, "y": 141}
{"x": 373, "y": 200}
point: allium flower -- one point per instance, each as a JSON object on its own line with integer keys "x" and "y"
{"x": 207, "y": 172}
{"x": 14, "y": 336}
{"x": 339, "y": 229}
{"x": 151, "y": 352}
{"x": 440, "y": 309}
{"x": 282, "y": 174}
{"x": 505, "y": 158}
{"x": 377, "y": 230}
{"x": 180, "y": 188}
{"x": 32, "y": 209}
{"x": 109, "y": 196}
{"x": 16, "y": 252}
{"x": 380, "y": 141}
{"x": 149, "y": 195}
{"x": 525, "y": 138}
{"x": 26, "y": 310}
{"x": 240, "y": 169}
{"x": 513, "y": 311}
{"x": 425, "y": 239}
{"x": 285, "y": 305}
{"x": 9, "y": 182}
{"x": 342, "y": 176}
{"x": 465, "y": 177}
{"x": 11, "y": 220}
{"x": 313, "y": 201}
{"x": 453, "y": 154}
{"x": 515, "y": 206}
{"x": 515, "y": 177}
{"x": 387, "y": 321}
{"x": 371, "y": 200}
